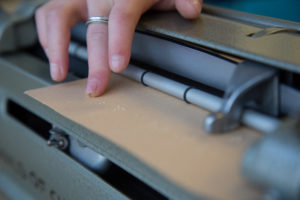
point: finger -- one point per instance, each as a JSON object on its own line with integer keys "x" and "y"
{"x": 97, "y": 42}
{"x": 189, "y": 8}
{"x": 122, "y": 22}
{"x": 60, "y": 19}
{"x": 41, "y": 23}
{"x": 164, "y": 5}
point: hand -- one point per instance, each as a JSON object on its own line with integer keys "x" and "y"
{"x": 109, "y": 45}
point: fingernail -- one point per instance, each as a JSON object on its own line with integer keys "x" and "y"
{"x": 195, "y": 2}
{"x": 196, "y": 6}
{"x": 117, "y": 63}
{"x": 92, "y": 87}
{"x": 55, "y": 71}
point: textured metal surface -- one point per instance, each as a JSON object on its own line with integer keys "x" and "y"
{"x": 47, "y": 173}
{"x": 228, "y": 36}
{"x": 10, "y": 185}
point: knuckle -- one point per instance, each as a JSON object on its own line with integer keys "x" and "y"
{"x": 56, "y": 13}
{"x": 96, "y": 33}
{"x": 123, "y": 16}
{"x": 127, "y": 15}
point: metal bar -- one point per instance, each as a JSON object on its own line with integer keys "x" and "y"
{"x": 197, "y": 97}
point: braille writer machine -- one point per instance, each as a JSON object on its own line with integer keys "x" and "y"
{"x": 207, "y": 109}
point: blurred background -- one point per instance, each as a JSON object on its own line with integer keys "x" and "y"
{"x": 283, "y": 9}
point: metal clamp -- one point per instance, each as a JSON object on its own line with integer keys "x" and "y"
{"x": 252, "y": 85}
{"x": 58, "y": 139}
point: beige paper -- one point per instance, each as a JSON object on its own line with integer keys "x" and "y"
{"x": 162, "y": 131}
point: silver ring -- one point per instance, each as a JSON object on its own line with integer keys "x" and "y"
{"x": 100, "y": 19}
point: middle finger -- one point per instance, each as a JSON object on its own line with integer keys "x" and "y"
{"x": 97, "y": 43}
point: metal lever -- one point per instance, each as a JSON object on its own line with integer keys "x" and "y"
{"x": 273, "y": 30}
{"x": 252, "y": 85}
{"x": 58, "y": 139}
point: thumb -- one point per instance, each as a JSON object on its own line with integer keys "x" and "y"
{"x": 189, "y": 9}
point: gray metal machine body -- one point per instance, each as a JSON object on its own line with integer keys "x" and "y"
{"x": 232, "y": 43}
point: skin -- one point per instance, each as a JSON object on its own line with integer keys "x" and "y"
{"x": 108, "y": 50}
